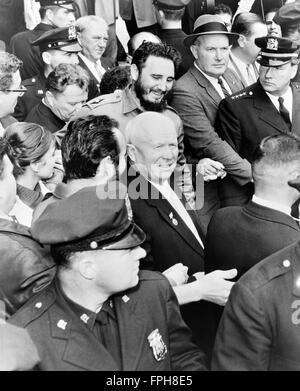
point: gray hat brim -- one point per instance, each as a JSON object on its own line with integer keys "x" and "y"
{"x": 189, "y": 40}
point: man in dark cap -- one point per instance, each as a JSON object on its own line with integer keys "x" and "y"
{"x": 54, "y": 14}
{"x": 169, "y": 14}
{"x": 266, "y": 108}
{"x": 57, "y": 46}
{"x": 196, "y": 97}
{"x": 100, "y": 313}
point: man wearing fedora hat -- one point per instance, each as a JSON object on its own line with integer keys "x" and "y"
{"x": 266, "y": 108}
{"x": 100, "y": 313}
{"x": 196, "y": 98}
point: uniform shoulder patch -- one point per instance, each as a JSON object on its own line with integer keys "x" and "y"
{"x": 102, "y": 100}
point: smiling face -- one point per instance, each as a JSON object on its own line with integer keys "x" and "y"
{"x": 155, "y": 152}
{"x": 153, "y": 82}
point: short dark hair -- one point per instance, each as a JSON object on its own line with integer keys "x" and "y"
{"x": 222, "y": 9}
{"x": 162, "y": 50}
{"x": 29, "y": 143}
{"x": 277, "y": 150}
{"x": 4, "y": 150}
{"x": 116, "y": 78}
{"x": 9, "y": 64}
{"x": 244, "y": 21}
{"x": 65, "y": 75}
{"x": 87, "y": 141}
{"x": 174, "y": 15}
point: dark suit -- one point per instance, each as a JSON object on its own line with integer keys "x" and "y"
{"x": 259, "y": 330}
{"x": 20, "y": 45}
{"x": 171, "y": 243}
{"x": 240, "y": 237}
{"x": 243, "y": 120}
{"x": 65, "y": 343}
{"x": 43, "y": 116}
{"x": 196, "y": 101}
{"x": 94, "y": 84}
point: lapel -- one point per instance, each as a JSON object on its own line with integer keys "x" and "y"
{"x": 91, "y": 74}
{"x": 296, "y": 111}
{"x": 237, "y": 71}
{"x": 132, "y": 331}
{"x": 170, "y": 216}
{"x": 234, "y": 83}
{"x": 266, "y": 111}
{"x": 206, "y": 84}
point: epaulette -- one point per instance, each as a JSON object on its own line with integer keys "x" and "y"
{"x": 241, "y": 95}
{"x": 33, "y": 309}
{"x": 101, "y": 100}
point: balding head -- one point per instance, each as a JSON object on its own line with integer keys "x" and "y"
{"x": 138, "y": 39}
{"x": 152, "y": 145}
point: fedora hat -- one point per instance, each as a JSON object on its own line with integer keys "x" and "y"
{"x": 209, "y": 25}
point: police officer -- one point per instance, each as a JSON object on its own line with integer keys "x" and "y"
{"x": 57, "y": 46}
{"x": 100, "y": 313}
{"x": 54, "y": 14}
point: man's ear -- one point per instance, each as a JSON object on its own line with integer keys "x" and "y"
{"x": 34, "y": 167}
{"x": 194, "y": 51}
{"x": 131, "y": 151}
{"x": 241, "y": 40}
{"x": 46, "y": 58}
{"x": 134, "y": 72}
{"x": 86, "y": 268}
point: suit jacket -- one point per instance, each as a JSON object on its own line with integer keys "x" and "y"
{"x": 240, "y": 237}
{"x": 171, "y": 242}
{"x": 42, "y": 115}
{"x": 65, "y": 343}
{"x": 259, "y": 330}
{"x": 244, "y": 119}
{"x": 20, "y": 45}
{"x": 196, "y": 102}
{"x": 94, "y": 85}
{"x": 234, "y": 66}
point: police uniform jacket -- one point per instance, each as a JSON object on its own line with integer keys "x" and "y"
{"x": 25, "y": 265}
{"x": 244, "y": 119}
{"x": 123, "y": 106}
{"x": 36, "y": 89}
{"x": 65, "y": 343}
{"x": 259, "y": 330}
{"x": 20, "y": 46}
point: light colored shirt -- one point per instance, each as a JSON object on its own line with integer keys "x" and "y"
{"x": 22, "y": 213}
{"x": 246, "y": 70}
{"x": 287, "y": 101}
{"x": 272, "y": 205}
{"x": 173, "y": 199}
{"x": 96, "y": 68}
{"x": 214, "y": 82}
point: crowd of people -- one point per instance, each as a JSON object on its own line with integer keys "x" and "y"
{"x": 149, "y": 196}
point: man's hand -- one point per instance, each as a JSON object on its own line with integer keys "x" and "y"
{"x": 211, "y": 169}
{"x": 214, "y": 286}
{"x": 177, "y": 274}
{"x": 17, "y": 351}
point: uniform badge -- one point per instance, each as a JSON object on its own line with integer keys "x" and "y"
{"x": 272, "y": 44}
{"x": 72, "y": 32}
{"x": 62, "y": 324}
{"x": 158, "y": 346}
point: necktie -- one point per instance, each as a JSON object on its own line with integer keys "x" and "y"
{"x": 225, "y": 92}
{"x": 284, "y": 113}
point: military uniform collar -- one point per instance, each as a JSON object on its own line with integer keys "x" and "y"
{"x": 130, "y": 101}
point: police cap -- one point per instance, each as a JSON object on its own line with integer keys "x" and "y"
{"x": 171, "y": 4}
{"x": 58, "y": 3}
{"x": 288, "y": 14}
{"x": 63, "y": 38}
{"x": 91, "y": 219}
{"x": 276, "y": 51}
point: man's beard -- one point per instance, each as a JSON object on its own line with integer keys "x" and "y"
{"x": 140, "y": 91}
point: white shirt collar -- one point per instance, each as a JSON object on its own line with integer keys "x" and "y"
{"x": 92, "y": 66}
{"x": 214, "y": 82}
{"x": 272, "y": 205}
{"x": 288, "y": 100}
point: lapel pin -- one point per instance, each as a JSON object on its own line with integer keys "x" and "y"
{"x": 158, "y": 346}
{"x": 125, "y": 299}
{"x": 85, "y": 318}
{"x": 62, "y": 324}
{"x": 39, "y": 305}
